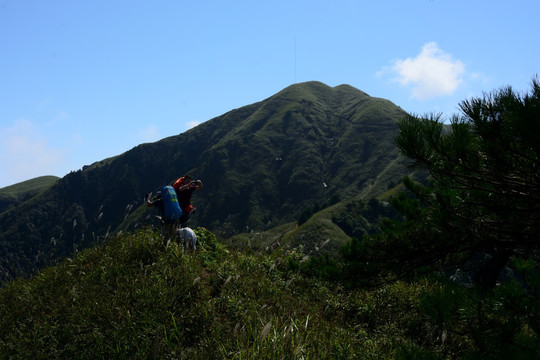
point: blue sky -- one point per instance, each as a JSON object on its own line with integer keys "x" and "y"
{"x": 81, "y": 81}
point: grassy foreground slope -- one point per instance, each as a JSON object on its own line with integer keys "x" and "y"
{"x": 133, "y": 298}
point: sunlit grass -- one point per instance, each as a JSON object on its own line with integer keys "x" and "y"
{"x": 133, "y": 298}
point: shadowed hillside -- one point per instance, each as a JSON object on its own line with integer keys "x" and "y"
{"x": 262, "y": 165}
{"x": 336, "y": 282}
{"x": 17, "y": 193}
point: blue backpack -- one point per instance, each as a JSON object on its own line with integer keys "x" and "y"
{"x": 171, "y": 208}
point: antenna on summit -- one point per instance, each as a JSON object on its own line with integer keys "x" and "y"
{"x": 295, "y": 59}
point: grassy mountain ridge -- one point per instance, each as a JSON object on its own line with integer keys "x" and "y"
{"x": 17, "y": 193}
{"x": 131, "y": 297}
{"x": 301, "y": 146}
{"x": 325, "y": 230}
{"x": 262, "y": 165}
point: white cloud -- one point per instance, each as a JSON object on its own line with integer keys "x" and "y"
{"x": 25, "y": 153}
{"x": 432, "y": 73}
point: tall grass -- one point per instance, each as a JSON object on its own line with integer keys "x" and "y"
{"x": 133, "y": 298}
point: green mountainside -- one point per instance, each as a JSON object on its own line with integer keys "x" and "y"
{"x": 262, "y": 166}
{"x": 17, "y": 193}
{"x": 286, "y": 272}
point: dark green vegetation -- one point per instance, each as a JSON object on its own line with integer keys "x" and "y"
{"x": 452, "y": 273}
{"x": 133, "y": 298}
{"x": 15, "y": 194}
{"x": 262, "y": 166}
{"x": 482, "y": 206}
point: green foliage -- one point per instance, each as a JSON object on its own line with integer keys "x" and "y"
{"x": 132, "y": 297}
{"x": 403, "y": 249}
{"x": 309, "y": 211}
{"x": 497, "y": 324}
{"x": 361, "y": 218}
{"x": 305, "y": 215}
{"x": 482, "y": 200}
{"x": 17, "y": 193}
{"x": 322, "y": 266}
{"x": 477, "y": 216}
{"x": 261, "y": 165}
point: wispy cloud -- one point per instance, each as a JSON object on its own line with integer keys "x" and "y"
{"x": 25, "y": 152}
{"x": 192, "y": 124}
{"x": 432, "y": 73}
{"x": 148, "y": 134}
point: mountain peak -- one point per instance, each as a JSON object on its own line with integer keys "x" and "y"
{"x": 312, "y": 89}
{"x": 262, "y": 165}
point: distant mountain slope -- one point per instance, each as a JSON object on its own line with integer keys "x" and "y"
{"x": 299, "y": 147}
{"x": 14, "y": 194}
{"x": 261, "y": 165}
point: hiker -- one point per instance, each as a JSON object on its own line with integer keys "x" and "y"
{"x": 169, "y": 209}
{"x": 185, "y": 186}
